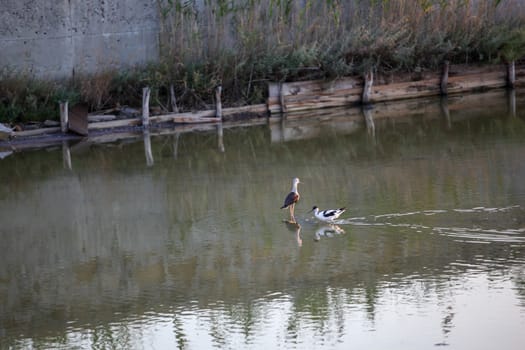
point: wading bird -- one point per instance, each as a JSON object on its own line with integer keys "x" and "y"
{"x": 292, "y": 198}
{"x": 328, "y": 215}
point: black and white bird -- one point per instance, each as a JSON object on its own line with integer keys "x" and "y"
{"x": 292, "y": 198}
{"x": 328, "y": 215}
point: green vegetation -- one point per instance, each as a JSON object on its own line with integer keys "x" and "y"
{"x": 244, "y": 44}
{"x": 24, "y": 98}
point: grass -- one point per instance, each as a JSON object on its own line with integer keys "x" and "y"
{"x": 245, "y": 44}
{"x": 25, "y": 98}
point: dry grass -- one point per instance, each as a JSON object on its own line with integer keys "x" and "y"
{"x": 24, "y": 98}
{"x": 244, "y": 44}
{"x": 384, "y": 34}
{"x": 95, "y": 89}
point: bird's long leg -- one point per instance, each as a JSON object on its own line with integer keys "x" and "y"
{"x": 292, "y": 212}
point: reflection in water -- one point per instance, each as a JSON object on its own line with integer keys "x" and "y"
{"x": 444, "y": 220}
{"x": 512, "y": 102}
{"x": 5, "y": 154}
{"x": 445, "y": 111}
{"x": 327, "y": 231}
{"x": 190, "y": 251}
{"x": 147, "y": 148}
{"x": 176, "y": 137}
{"x": 295, "y": 227}
{"x": 66, "y": 155}
{"x": 370, "y": 126}
{"x": 220, "y": 137}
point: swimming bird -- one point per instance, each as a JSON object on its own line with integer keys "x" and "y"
{"x": 328, "y": 215}
{"x": 292, "y": 198}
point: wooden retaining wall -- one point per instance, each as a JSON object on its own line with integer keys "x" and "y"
{"x": 207, "y": 116}
{"x": 345, "y": 120}
{"x": 308, "y": 95}
{"x": 298, "y": 125}
{"x": 347, "y": 91}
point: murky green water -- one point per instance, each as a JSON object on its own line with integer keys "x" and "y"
{"x": 187, "y": 248}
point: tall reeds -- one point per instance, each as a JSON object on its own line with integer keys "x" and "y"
{"x": 243, "y": 44}
{"x": 387, "y": 34}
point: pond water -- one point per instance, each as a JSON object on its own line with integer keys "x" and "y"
{"x": 187, "y": 248}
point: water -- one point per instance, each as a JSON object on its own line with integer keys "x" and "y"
{"x": 188, "y": 249}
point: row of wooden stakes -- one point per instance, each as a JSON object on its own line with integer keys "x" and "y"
{"x": 301, "y": 96}
{"x": 303, "y": 125}
{"x": 76, "y": 118}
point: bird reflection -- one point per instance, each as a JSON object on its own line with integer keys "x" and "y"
{"x": 447, "y": 325}
{"x": 327, "y": 231}
{"x": 296, "y": 228}
{"x": 447, "y": 320}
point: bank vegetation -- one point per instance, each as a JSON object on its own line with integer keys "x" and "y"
{"x": 245, "y": 44}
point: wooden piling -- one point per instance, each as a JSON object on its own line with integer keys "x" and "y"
{"x": 64, "y": 116}
{"x": 367, "y": 89}
{"x": 218, "y": 103}
{"x": 511, "y": 75}
{"x": 444, "y": 78}
{"x": 145, "y": 106}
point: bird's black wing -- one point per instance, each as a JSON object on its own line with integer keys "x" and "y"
{"x": 328, "y": 213}
{"x": 290, "y": 199}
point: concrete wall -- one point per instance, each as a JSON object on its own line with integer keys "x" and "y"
{"x": 59, "y": 38}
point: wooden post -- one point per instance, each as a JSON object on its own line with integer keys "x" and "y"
{"x": 218, "y": 103}
{"x": 145, "y": 106}
{"x": 173, "y": 100}
{"x": 511, "y": 75}
{"x": 444, "y": 78}
{"x": 64, "y": 116}
{"x": 281, "y": 98}
{"x": 367, "y": 88}
{"x": 147, "y": 148}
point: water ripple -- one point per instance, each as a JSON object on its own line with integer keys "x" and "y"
{"x": 476, "y": 234}
{"x": 489, "y": 210}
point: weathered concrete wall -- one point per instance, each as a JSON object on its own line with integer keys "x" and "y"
{"x": 59, "y": 38}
